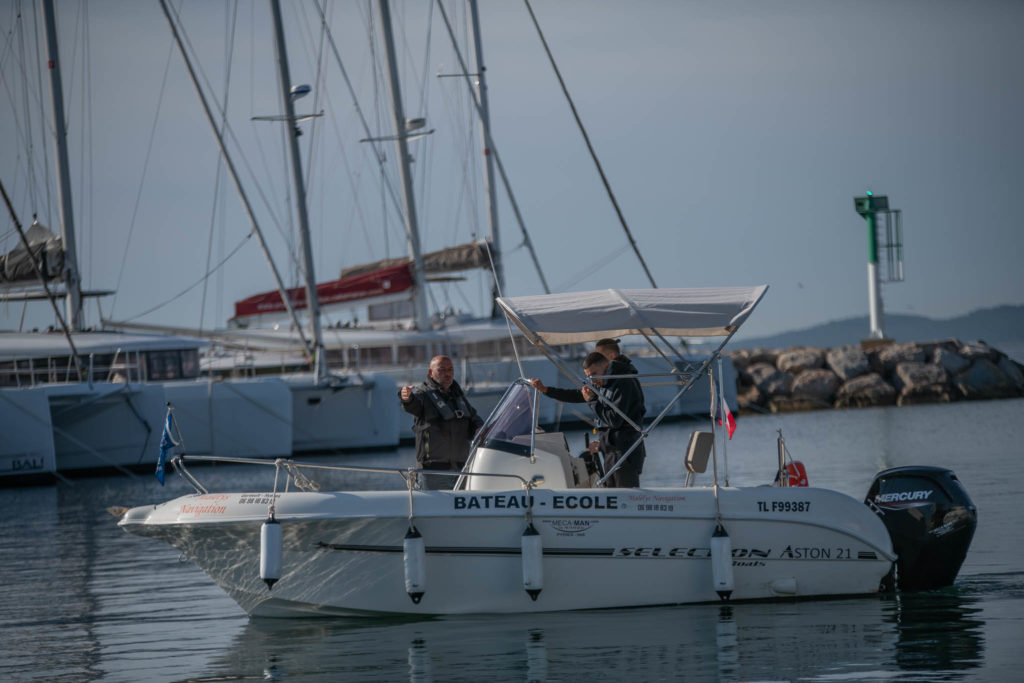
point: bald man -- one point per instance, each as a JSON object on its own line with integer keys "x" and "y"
{"x": 444, "y": 424}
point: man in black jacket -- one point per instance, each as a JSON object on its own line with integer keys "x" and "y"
{"x": 620, "y": 365}
{"x": 615, "y": 434}
{"x": 444, "y": 424}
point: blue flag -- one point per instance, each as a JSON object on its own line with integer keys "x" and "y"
{"x": 167, "y": 442}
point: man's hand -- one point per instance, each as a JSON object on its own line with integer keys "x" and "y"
{"x": 588, "y": 393}
{"x": 407, "y": 393}
{"x": 538, "y": 385}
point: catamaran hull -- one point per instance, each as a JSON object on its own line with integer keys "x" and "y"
{"x": 343, "y": 552}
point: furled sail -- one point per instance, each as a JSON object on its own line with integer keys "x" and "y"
{"x": 453, "y": 259}
{"x": 45, "y": 248}
{"x": 373, "y": 287}
{"x": 371, "y": 283}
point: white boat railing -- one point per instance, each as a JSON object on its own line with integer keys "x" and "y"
{"x": 411, "y": 475}
{"x": 26, "y": 372}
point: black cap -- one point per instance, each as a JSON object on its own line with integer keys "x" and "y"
{"x": 607, "y": 341}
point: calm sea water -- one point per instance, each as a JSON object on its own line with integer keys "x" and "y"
{"x": 81, "y": 600}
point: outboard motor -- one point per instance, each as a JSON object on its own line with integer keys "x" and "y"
{"x": 931, "y": 521}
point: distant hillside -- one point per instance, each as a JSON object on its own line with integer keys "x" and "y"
{"x": 993, "y": 325}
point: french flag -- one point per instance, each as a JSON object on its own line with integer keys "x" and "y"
{"x": 722, "y": 412}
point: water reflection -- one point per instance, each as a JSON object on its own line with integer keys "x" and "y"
{"x": 929, "y": 632}
{"x": 536, "y": 656}
{"x": 938, "y": 630}
{"x": 81, "y": 600}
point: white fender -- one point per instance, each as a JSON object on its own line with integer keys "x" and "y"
{"x": 721, "y": 562}
{"x": 533, "y": 565}
{"x": 270, "y": 552}
{"x": 415, "y": 555}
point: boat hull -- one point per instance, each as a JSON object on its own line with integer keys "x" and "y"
{"x": 343, "y": 553}
{"x": 344, "y": 416}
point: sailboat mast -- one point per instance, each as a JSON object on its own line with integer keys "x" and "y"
{"x": 411, "y": 228}
{"x": 485, "y": 136}
{"x": 72, "y": 279}
{"x": 320, "y": 365}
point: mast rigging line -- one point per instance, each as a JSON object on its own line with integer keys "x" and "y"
{"x": 195, "y": 284}
{"x": 39, "y": 86}
{"x": 378, "y": 151}
{"x": 238, "y": 184}
{"x": 20, "y": 29}
{"x": 23, "y": 137}
{"x": 220, "y": 109}
{"x": 231, "y": 16}
{"x": 494, "y": 152}
{"x": 142, "y": 178}
{"x": 590, "y": 147}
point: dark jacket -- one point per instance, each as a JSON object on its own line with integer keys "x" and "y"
{"x": 615, "y": 434}
{"x": 621, "y": 365}
{"x": 444, "y": 425}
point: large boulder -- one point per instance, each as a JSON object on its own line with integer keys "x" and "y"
{"x": 924, "y": 393}
{"x": 873, "y": 362}
{"x": 910, "y": 375}
{"x": 978, "y": 349}
{"x": 864, "y": 391}
{"x": 848, "y": 362}
{"x": 819, "y": 385}
{"x": 984, "y": 380}
{"x": 740, "y": 359}
{"x": 950, "y": 360}
{"x": 798, "y": 360}
{"x": 747, "y": 357}
{"x": 932, "y": 348}
{"x": 1012, "y": 370}
{"x": 750, "y": 398}
{"x": 892, "y": 355}
{"x": 921, "y": 383}
{"x": 769, "y": 380}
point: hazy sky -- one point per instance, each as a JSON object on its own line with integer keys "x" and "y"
{"x": 734, "y": 134}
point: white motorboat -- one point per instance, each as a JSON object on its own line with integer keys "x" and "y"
{"x": 528, "y": 528}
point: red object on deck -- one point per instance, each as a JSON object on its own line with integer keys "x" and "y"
{"x": 383, "y": 282}
{"x": 797, "y": 473}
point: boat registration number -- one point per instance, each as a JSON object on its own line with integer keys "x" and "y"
{"x": 784, "y": 506}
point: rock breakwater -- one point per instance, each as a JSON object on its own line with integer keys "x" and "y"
{"x": 809, "y": 378}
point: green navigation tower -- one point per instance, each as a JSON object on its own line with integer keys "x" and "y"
{"x": 885, "y": 239}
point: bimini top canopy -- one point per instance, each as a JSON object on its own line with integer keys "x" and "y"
{"x": 588, "y": 316}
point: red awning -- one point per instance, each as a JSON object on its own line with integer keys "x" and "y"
{"x": 357, "y": 288}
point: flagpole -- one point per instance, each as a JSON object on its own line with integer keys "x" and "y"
{"x": 714, "y": 435}
{"x": 724, "y": 407}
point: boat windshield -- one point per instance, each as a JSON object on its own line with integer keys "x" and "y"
{"x": 511, "y": 421}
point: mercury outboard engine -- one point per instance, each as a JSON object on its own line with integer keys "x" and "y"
{"x": 931, "y": 521}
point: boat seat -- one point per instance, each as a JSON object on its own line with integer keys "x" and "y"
{"x": 697, "y": 452}
{"x": 553, "y": 443}
{"x": 552, "y": 464}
